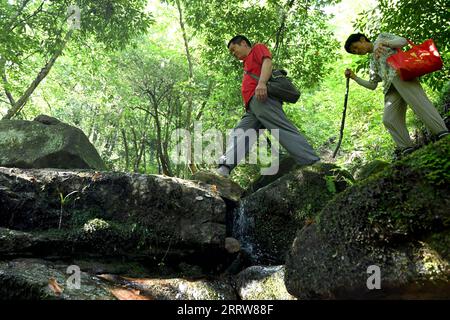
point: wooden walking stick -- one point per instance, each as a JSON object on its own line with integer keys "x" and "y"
{"x": 343, "y": 119}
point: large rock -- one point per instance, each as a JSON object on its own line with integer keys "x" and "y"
{"x": 176, "y": 288}
{"x": 46, "y": 143}
{"x": 15, "y": 243}
{"x": 286, "y": 165}
{"x": 267, "y": 221}
{"x": 262, "y": 283}
{"x": 39, "y": 279}
{"x": 96, "y": 239}
{"x": 106, "y": 209}
{"x": 370, "y": 169}
{"x": 35, "y": 279}
{"x": 396, "y": 222}
{"x": 224, "y": 187}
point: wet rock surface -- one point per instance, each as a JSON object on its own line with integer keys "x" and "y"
{"x": 267, "y": 221}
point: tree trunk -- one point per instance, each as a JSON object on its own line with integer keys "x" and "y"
{"x": 159, "y": 143}
{"x": 145, "y": 158}
{"x": 125, "y": 146}
{"x": 19, "y": 104}
{"x": 136, "y": 150}
{"x": 280, "y": 31}
{"x": 91, "y": 129}
{"x": 141, "y": 147}
{"x": 192, "y": 165}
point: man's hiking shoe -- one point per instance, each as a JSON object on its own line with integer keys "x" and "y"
{"x": 407, "y": 151}
{"x": 223, "y": 171}
{"x": 401, "y": 153}
{"x": 442, "y": 134}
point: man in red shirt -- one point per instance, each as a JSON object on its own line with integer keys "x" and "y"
{"x": 262, "y": 111}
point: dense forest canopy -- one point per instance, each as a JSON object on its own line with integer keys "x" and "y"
{"x": 133, "y": 71}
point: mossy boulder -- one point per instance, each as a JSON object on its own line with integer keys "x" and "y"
{"x": 222, "y": 186}
{"x": 46, "y": 143}
{"x": 397, "y": 220}
{"x": 286, "y": 165}
{"x": 176, "y": 288}
{"x": 262, "y": 283}
{"x": 112, "y": 207}
{"x": 267, "y": 221}
{"x": 371, "y": 169}
{"x": 36, "y": 279}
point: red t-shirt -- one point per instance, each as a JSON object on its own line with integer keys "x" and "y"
{"x": 253, "y": 63}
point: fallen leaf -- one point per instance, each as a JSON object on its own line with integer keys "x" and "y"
{"x": 213, "y": 188}
{"x": 54, "y": 286}
{"x": 128, "y": 294}
{"x": 108, "y": 277}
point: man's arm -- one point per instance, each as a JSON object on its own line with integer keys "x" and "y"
{"x": 266, "y": 72}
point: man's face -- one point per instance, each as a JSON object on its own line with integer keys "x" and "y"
{"x": 239, "y": 51}
{"x": 360, "y": 47}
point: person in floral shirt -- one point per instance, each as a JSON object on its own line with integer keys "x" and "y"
{"x": 398, "y": 93}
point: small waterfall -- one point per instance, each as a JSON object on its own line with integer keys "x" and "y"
{"x": 243, "y": 230}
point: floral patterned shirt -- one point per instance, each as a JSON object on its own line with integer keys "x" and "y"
{"x": 380, "y": 70}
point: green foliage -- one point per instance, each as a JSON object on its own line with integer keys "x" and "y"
{"x": 95, "y": 225}
{"x": 33, "y": 32}
{"x": 244, "y": 175}
{"x": 319, "y": 112}
{"x": 39, "y": 27}
{"x": 63, "y": 202}
{"x": 296, "y": 32}
{"x": 443, "y": 101}
{"x": 417, "y": 20}
{"x": 331, "y": 187}
{"x": 106, "y": 93}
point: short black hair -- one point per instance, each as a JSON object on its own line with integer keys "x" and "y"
{"x": 238, "y": 39}
{"x": 354, "y": 38}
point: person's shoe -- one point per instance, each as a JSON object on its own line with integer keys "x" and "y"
{"x": 223, "y": 171}
{"x": 401, "y": 153}
{"x": 442, "y": 134}
{"x": 407, "y": 151}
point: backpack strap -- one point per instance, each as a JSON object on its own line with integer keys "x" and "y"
{"x": 276, "y": 73}
{"x": 254, "y": 76}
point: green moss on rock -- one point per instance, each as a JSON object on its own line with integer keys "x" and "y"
{"x": 382, "y": 220}
{"x": 275, "y": 212}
